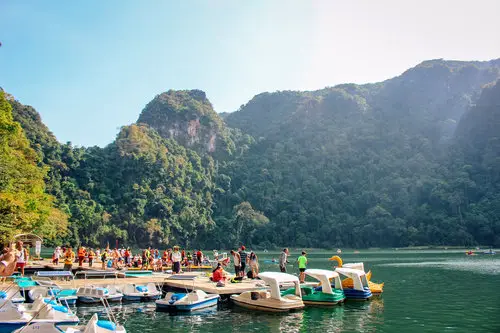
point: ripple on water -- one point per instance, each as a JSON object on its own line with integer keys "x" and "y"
{"x": 489, "y": 266}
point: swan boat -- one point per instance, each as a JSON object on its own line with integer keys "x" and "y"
{"x": 360, "y": 290}
{"x": 271, "y": 301}
{"x": 376, "y": 288}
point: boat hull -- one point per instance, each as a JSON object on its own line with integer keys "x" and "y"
{"x": 91, "y": 300}
{"x": 358, "y": 295}
{"x": 139, "y": 298}
{"x": 266, "y": 306}
{"x": 165, "y": 305}
{"x": 7, "y": 327}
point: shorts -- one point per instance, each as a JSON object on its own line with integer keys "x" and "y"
{"x": 237, "y": 269}
{"x": 20, "y": 264}
{"x": 177, "y": 267}
{"x": 68, "y": 267}
{"x": 242, "y": 267}
{"x": 302, "y": 270}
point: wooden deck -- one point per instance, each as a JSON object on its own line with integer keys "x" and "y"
{"x": 201, "y": 282}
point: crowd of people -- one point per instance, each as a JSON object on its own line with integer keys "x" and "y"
{"x": 17, "y": 256}
{"x": 119, "y": 258}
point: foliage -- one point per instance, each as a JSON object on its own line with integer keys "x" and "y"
{"x": 24, "y": 206}
{"x": 381, "y": 165}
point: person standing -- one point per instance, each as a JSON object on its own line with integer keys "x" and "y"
{"x": 199, "y": 257}
{"x": 69, "y": 257}
{"x": 56, "y": 255}
{"x": 21, "y": 257}
{"x": 91, "y": 257}
{"x": 104, "y": 259}
{"x": 81, "y": 256}
{"x": 237, "y": 262}
{"x": 302, "y": 260}
{"x": 283, "y": 260}
{"x": 176, "y": 260}
{"x": 253, "y": 261}
{"x": 244, "y": 259}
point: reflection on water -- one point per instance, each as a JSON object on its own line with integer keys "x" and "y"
{"x": 485, "y": 266}
{"x": 424, "y": 292}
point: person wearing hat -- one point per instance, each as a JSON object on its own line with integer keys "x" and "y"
{"x": 176, "y": 260}
{"x": 302, "y": 260}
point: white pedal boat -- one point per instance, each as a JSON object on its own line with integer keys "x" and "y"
{"x": 192, "y": 301}
{"x": 135, "y": 292}
{"x": 109, "y": 293}
{"x": 11, "y": 294}
{"x": 93, "y": 326}
{"x": 13, "y": 317}
{"x": 272, "y": 301}
{"x": 64, "y": 296}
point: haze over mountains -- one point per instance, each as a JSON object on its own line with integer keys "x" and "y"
{"x": 413, "y": 160}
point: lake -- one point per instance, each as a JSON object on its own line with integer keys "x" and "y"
{"x": 425, "y": 291}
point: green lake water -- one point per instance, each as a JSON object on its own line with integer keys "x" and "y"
{"x": 425, "y": 291}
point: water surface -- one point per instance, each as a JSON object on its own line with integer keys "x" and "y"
{"x": 425, "y": 291}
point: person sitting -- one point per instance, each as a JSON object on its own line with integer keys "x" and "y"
{"x": 218, "y": 274}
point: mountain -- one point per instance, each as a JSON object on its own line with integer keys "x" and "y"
{"x": 187, "y": 116}
{"x": 412, "y": 160}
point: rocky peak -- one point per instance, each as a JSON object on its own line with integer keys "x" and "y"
{"x": 188, "y": 117}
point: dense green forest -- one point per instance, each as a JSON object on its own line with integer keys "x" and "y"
{"x": 414, "y": 160}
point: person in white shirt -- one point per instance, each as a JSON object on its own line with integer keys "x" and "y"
{"x": 176, "y": 260}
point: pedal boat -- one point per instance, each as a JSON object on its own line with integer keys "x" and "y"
{"x": 331, "y": 293}
{"x": 64, "y": 296}
{"x": 94, "y": 325}
{"x": 376, "y": 288}
{"x": 13, "y": 317}
{"x": 11, "y": 294}
{"x": 135, "y": 292}
{"x": 272, "y": 301}
{"x": 360, "y": 290}
{"x": 110, "y": 294}
{"x": 195, "y": 300}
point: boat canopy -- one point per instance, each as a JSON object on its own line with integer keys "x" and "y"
{"x": 358, "y": 277}
{"x": 91, "y": 292}
{"x": 273, "y": 279}
{"x": 325, "y": 276}
{"x": 355, "y": 265}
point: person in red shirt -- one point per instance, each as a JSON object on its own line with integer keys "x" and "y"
{"x": 218, "y": 274}
{"x": 199, "y": 257}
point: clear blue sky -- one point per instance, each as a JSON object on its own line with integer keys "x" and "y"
{"x": 90, "y": 67}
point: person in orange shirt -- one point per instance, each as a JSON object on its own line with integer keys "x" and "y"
{"x": 91, "y": 257}
{"x": 218, "y": 274}
{"x": 81, "y": 256}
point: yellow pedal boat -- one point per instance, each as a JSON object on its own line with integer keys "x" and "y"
{"x": 375, "y": 288}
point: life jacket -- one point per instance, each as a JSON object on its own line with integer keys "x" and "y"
{"x": 81, "y": 253}
{"x": 69, "y": 257}
{"x": 91, "y": 255}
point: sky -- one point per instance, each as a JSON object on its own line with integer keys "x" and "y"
{"x": 89, "y": 67}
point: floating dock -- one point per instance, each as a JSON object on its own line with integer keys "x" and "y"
{"x": 86, "y": 276}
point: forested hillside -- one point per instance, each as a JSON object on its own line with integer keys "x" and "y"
{"x": 413, "y": 160}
